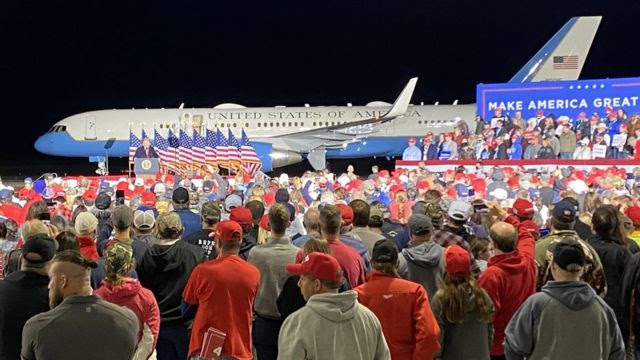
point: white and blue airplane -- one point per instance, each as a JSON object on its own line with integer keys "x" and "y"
{"x": 287, "y": 135}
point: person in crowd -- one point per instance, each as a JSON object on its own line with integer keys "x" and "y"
{"x": 562, "y": 223}
{"x": 583, "y": 150}
{"x": 220, "y": 294}
{"x": 501, "y": 149}
{"x": 610, "y": 245}
{"x": 412, "y": 152}
{"x": 144, "y": 223}
{"x": 78, "y": 323}
{"x": 510, "y": 276}
{"x": 533, "y": 148}
{"x": 569, "y": 309}
{"x": 146, "y": 150}
{"x": 67, "y": 240}
{"x": 165, "y": 269}
{"x": 120, "y": 289}
{"x": 449, "y": 148}
{"x": 546, "y": 151}
{"x": 481, "y": 249}
{"x": 463, "y": 311}
{"x": 567, "y": 142}
{"x": 189, "y": 219}
{"x": 270, "y": 259}
{"x": 406, "y": 316}
{"x": 257, "y": 210}
{"x": 347, "y": 257}
{"x": 422, "y": 262}
{"x": 352, "y": 241}
{"x": 24, "y": 293}
{"x": 210, "y": 215}
{"x": 515, "y": 151}
{"x": 86, "y": 225}
{"x": 361, "y": 214}
{"x": 243, "y": 216}
{"x": 331, "y": 324}
{"x": 122, "y": 220}
{"x": 311, "y": 226}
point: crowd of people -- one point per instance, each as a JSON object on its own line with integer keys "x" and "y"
{"x": 613, "y": 134}
{"x": 409, "y": 264}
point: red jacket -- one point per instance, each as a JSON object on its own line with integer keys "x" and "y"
{"x": 509, "y": 280}
{"x": 88, "y": 247}
{"x": 404, "y": 312}
{"x": 141, "y": 301}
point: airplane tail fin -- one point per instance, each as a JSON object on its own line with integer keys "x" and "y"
{"x": 402, "y": 102}
{"x": 563, "y": 56}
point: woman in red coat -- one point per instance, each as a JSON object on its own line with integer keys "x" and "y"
{"x": 120, "y": 289}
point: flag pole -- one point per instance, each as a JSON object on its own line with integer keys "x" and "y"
{"x": 129, "y": 156}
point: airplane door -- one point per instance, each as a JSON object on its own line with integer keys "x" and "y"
{"x": 90, "y": 128}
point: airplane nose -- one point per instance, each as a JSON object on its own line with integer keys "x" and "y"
{"x": 43, "y": 144}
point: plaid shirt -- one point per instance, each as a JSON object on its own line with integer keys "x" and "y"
{"x": 445, "y": 238}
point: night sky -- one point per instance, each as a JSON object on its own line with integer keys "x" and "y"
{"x": 62, "y": 58}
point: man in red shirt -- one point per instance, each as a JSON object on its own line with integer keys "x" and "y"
{"x": 510, "y": 277}
{"x": 223, "y": 290}
{"x": 402, "y": 307}
{"x": 348, "y": 258}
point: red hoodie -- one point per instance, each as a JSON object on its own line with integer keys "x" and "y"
{"x": 405, "y": 315}
{"x": 141, "y": 301}
{"x": 509, "y": 280}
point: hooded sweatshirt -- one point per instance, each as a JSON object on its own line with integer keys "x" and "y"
{"x": 141, "y": 301}
{"x": 569, "y": 311}
{"x": 509, "y": 279}
{"x": 164, "y": 270}
{"x": 423, "y": 264}
{"x": 332, "y": 326}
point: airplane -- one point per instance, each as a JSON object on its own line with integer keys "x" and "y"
{"x": 283, "y": 136}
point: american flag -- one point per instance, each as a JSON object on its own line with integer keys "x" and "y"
{"x": 199, "y": 153}
{"x": 222, "y": 152}
{"x": 234, "y": 151}
{"x": 134, "y": 144}
{"x": 568, "y": 62}
{"x": 210, "y": 148}
{"x": 167, "y": 156}
{"x": 144, "y": 135}
{"x": 185, "y": 153}
{"x": 250, "y": 160}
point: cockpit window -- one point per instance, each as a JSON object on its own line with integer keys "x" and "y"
{"x": 58, "y": 128}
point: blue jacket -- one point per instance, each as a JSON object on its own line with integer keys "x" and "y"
{"x": 614, "y": 128}
{"x": 516, "y": 149}
{"x": 190, "y": 221}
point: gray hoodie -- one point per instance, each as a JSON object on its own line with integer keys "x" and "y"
{"x": 332, "y": 326}
{"x": 423, "y": 264}
{"x": 566, "y": 320}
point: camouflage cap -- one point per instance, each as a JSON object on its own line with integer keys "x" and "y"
{"x": 118, "y": 256}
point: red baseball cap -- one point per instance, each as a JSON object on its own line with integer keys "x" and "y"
{"x": 241, "y": 215}
{"x": 457, "y": 261}
{"x": 229, "y": 231}
{"x": 90, "y": 195}
{"x": 346, "y": 212}
{"x": 633, "y": 212}
{"x": 384, "y": 173}
{"x": 319, "y": 265}
{"x": 149, "y": 198}
{"x": 522, "y": 208}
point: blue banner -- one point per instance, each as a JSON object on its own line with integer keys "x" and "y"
{"x": 559, "y": 97}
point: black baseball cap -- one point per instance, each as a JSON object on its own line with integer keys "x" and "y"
{"x": 419, "y": 224}
{"x": 180, "y": 196}
{"x": 39, "y": 248}
{"x": 385, "y": 251}
{"x": 567, "y": 252}
{"x": 564, "y": 211}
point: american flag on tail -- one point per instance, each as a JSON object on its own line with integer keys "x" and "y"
{"x": 134, "y": 144}
{"x": 234, "y": 152}
{"x": 222, "y": 152}
{"x": 166, "y": 153}
{"x": 210, "y": 148}
{"x": 185, "y": 154}
{"x": 250, "y": 161}
{"x": 198, "y": 149}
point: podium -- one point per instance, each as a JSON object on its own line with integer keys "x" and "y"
{"x": 146, "y": 166}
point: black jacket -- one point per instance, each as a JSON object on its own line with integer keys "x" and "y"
{"x": 164, "y": 270}
{"x": 140, "y": 153}
{"x": 22, "y": 295}
{"x": 614, "y": 258}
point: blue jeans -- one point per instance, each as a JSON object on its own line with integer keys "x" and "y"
{"x": 566, "y": 155}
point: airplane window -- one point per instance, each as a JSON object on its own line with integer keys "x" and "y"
{"x": 63, "y": 128}
{"x": 314, "y": 123}
{"x": 160, "y": 126}
{"x": 258, "y": 124}
{"x": 290, "y": 125}
{"x": 246, "y": 124}
{"x": 333, "y": 123}
{"x": 270, "y": 124}
{"x": 278, "y": 124}
{"x": 301, "y": 124}
{"x": 326, "y": 123}
{"x": 234, "y": 124}
{"x": 295, "y": 124}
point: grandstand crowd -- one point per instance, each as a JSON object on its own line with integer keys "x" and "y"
{"x": 613, "y": 134}
{"x": 409, "y": 264}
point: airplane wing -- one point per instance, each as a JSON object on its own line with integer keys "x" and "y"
{"x": 352, "y": 129}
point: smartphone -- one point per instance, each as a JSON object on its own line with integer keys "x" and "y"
{"x": 119, "y": 197}
{"x": 44, "y": 216}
